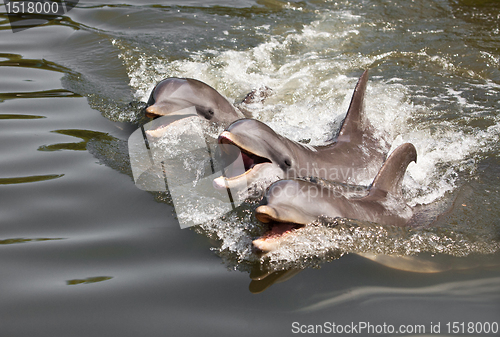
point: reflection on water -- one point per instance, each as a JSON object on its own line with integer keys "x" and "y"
{"x": 264, "y": 275}
{"x": 38, "y": 94}
{"x": 3, "y": 116}
{"x": 88, "y": 280}
{"x": 13, "y": 241}
{"x": 262, "y": 279}
{"x": 31, "y": 179}
{"x": 16, "y": 60}
{"x": 86, "y": 135}
{"x": 430, "y": 120}
{"x": 468, "y": 290}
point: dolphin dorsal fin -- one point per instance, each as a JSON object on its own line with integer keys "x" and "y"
{"x": 391, "y": 174}
{"x": 350, "y": 129}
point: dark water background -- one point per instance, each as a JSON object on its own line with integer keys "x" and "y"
{"x": 84, "y": 252}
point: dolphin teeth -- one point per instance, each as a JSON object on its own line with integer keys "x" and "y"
{"x": 271, "y": 240}
{"x": 280, "y": 229}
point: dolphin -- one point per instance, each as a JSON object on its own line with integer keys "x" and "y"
{"x": 174, "y": 94}
{"x": 355, "y": 157}
{"x": 293, "y": 204}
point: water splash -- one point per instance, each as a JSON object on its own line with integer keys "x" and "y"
{"x": 312, "y": 77}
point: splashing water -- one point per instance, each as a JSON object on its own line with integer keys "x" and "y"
{"x": 312, "y": 82}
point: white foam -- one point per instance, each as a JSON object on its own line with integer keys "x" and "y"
{"x": 312, "y": 94}
{"x": 308, "y": 105}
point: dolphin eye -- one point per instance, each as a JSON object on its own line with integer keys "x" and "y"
{"x": 288, "y": 162}
{"x": 204, "y": 112}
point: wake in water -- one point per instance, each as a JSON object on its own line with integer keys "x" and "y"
{"x": 312, "y": 73}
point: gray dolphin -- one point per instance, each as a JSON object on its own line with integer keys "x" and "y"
{"x": 176, "y": 94}
{"x": 292, "y": 204}
{"x": 354, "y": 157}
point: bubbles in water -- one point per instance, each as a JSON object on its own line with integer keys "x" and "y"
{"x": 312, "y": 86}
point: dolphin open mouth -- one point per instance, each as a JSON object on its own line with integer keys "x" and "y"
{"x": 277, "y": 229}
{"x": 161, "y": 123}
{"x": 155, "y": 131}
{"x": 251, "y": 161}
{"x": 149, "y": 114}
{"x": 152, "y": 111}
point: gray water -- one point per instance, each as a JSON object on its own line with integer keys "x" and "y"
{"x": 85, "y": 252}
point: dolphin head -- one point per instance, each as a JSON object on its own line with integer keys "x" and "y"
{"x": 293, "y": 204}
{"x": 288, "y": 206}
{"x": 176, "y": 94}
{"x": 266, "y": 155}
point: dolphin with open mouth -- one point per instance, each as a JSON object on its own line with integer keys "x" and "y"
{"x": 354, "y": 157}
{"x": 290, "y": 205}
{"x": 174, "y": 94}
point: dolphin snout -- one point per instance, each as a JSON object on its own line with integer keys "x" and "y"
{"x": 225, "y": 138}
{"x": 152, "y": 111}
{"x": 265, "y": 214}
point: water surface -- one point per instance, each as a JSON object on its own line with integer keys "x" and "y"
{"x": 85, "y": 252}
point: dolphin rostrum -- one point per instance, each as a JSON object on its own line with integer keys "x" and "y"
{"x": 353, "y": 158}
{"x": 292, "y": 204}
{"x": 176, "y": 94}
